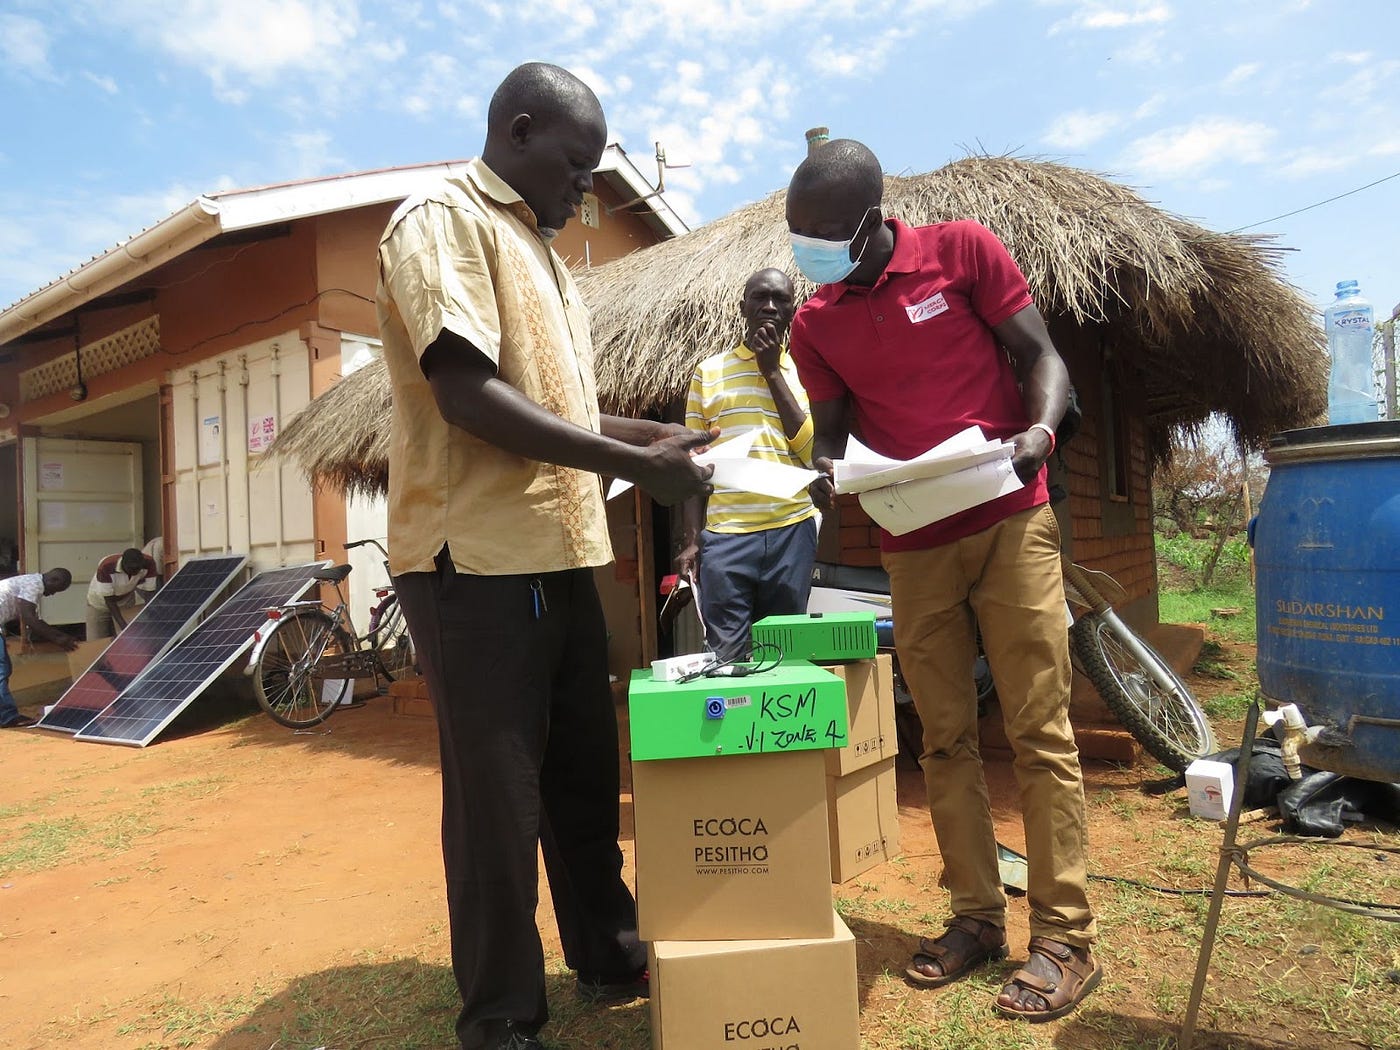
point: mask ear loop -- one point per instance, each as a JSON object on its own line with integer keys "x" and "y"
{"x": 858, "y": 258}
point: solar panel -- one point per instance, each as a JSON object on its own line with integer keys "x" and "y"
{"x": 151, "y": 703}
{"x": 158, "y": 624}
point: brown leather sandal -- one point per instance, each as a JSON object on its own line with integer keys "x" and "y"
{"x": 1079, "y": 975}
{"x": 968, "y": 944}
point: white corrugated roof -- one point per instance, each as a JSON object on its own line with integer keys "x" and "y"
{"x": 208, "y": 216}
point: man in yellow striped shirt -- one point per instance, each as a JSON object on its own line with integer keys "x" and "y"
{"x": 754, "y": 554}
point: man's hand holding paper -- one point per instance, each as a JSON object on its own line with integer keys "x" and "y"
{"x": 962, "y": 472}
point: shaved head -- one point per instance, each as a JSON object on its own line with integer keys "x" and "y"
{"x": 766, "y": 276}
{"x": 547, "y": 93}
{"x": 545, "y": 133}
{"x": 844, "y": 166}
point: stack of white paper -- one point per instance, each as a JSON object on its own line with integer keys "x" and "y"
{"x": 904, "y": 495}
{"x": 734, "y": 469}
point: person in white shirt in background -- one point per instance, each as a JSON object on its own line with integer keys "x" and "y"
{"x": 19, "y": 600}
{"x": 112, "y": 593}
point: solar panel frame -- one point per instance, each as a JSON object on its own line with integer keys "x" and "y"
{"x": 157, "y": 625}
{"x": 151, "y": 703}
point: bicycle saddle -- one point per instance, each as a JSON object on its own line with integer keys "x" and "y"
{"x": 331, "y": 575}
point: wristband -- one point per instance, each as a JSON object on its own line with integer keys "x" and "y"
{"x": 1049, "y": 432}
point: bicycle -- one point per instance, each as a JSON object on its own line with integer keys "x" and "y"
{"x": 307, "y": 654}
{"x": 1136, "y": 683}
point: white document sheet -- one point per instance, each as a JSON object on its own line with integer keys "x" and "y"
{"x": 911, "y": 505}
{"x": 861, "y": 469}
{"x": 734, "y": 469}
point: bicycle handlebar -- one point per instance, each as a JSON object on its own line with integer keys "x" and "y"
{"x": 360, "y": 543}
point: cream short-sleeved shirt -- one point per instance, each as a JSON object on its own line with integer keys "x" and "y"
{"x": 468, "y": 258}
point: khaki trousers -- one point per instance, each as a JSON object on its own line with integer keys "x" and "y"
{"x": 1006, "y": 579}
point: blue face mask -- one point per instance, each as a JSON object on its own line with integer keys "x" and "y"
{"x": 826, "y": 262}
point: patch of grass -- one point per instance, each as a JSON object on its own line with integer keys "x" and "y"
{"x": 200, "y": 787}
{"x": 1194, "y": 606}
{"x": 42, "y": 844}
{"x": 1229, "y": 705}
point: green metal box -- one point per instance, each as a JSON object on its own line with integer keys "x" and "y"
{"x": 820, "y": 637}
{"x": 794, "y": 707}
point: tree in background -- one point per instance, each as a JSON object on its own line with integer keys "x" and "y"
{"x": 1201, "y": 494}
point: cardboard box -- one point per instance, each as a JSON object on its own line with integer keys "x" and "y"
{"x": 794, "y": 707}
{"x": 732, "y": 848}
{"x": 1210, "y": 786}
{"x": 756, "y": 995}
{"x": 863, "y": 817}
{"x": 870, "y": 730}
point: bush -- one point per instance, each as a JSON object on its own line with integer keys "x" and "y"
{"x": 1193, "y": 556}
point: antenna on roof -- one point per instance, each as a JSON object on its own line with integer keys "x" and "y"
{"x": 661, "y": 168}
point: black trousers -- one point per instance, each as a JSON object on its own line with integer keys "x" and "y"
{"x": 517, "y": 670}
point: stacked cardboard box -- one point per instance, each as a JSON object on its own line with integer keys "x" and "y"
{"x": 733, "y": 855}
{"x": 862, "y": 804}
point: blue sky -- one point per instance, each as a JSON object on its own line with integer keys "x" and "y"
{"x": 117, "y": 112}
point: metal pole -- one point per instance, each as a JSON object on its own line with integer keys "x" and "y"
{"x": 1222, "y": 878}
{"x": 1388, "y": 356}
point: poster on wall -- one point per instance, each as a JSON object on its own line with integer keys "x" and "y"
{"x": 262, "y": 430}
{"x": 211, "y": 448}
{"x": 51, "y": 476}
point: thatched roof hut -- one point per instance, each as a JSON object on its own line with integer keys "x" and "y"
{"x": 1202, "y": 320}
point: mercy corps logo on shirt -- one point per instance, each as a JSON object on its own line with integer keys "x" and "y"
{"x": 930, "y": 307}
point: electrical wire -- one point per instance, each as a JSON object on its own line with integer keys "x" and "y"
{"x": 266, "y": 320}
{"x": 1318, "y": 204}
{"x": 739, "y": 668}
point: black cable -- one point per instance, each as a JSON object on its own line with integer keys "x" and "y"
{"x": 1310, "y": 207}
{"x": 267, "y": 320}
{"x": 1176, "y": 891}
{"x": 738, "y": 668}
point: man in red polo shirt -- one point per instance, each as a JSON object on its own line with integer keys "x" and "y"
{"x": 914, "y": 335}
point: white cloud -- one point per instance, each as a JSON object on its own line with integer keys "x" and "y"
{"x": 1096, "y": 14}
{"x": 308, "y": 154}
{"x": 246, "y": 45}
{"x": 24, "y": 46}
{"x": 1080, "y": 128}
{"x": 1315, "y": 162}
{"x": 438, "y": 90}
{"x": 859, "y": 57}
{"x": 1240, "y": 74}
{"x": 1190, "y": 150}
{"x": 103, "y": 83}
{"x": 1363, "y": 85}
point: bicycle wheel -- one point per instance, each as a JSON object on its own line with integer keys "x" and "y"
{"x": 391, "y": 642}
{"x": 1169, "y": 724}
{"x": 287, "y": 687}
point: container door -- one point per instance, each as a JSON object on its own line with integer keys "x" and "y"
{"x": 229, "y": 498}
{"x": 82, "y": 502}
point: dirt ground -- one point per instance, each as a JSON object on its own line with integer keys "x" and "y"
{"x": 232, "y": 859}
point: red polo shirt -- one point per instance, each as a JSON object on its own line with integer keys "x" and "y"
{"x": 918, "y": 357}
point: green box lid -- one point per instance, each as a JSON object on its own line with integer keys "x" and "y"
{"x": 833, "y": 637}
{"x": 794, "y": 707}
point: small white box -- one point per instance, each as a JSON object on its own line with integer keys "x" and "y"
{"x": 674, "y": 668}
{"x": 1210, "y": 785}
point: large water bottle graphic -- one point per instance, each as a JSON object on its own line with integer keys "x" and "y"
{"x": 1351, "y": 386}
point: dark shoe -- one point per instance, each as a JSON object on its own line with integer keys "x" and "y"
{"x": 1035, "y": 997}
{"x": 968, "y": 944}
{"x": 22, "y": 722}
{"x": 512, "y": 1038}
{"x": 603, "y": 992}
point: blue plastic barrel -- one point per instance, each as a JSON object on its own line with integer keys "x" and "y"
{"x": 1327, "y": 596}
